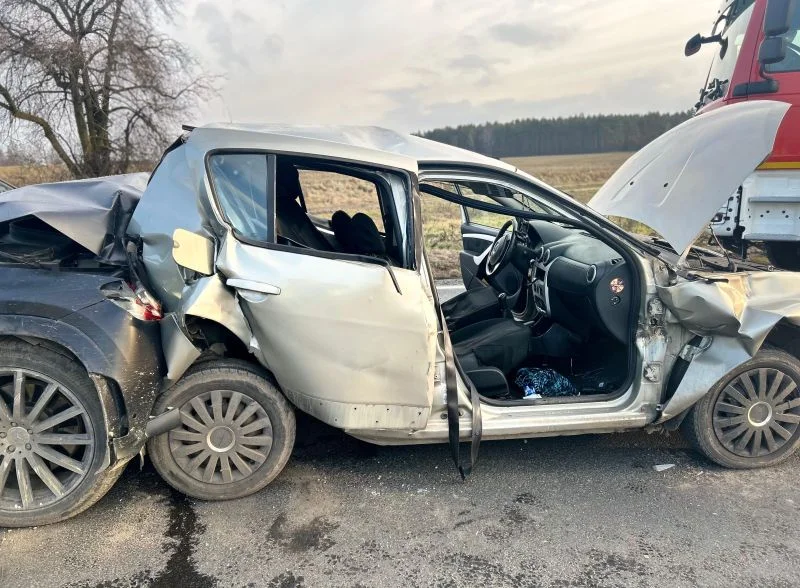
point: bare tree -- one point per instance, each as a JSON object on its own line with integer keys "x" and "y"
{"x": 96, "y": 78}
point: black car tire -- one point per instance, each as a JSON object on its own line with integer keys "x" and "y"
{"x": 708, "y": 426}
{"x": 80, "y": 490}
{"x": 784, "y": 254}
{"x": 208, "y": 456}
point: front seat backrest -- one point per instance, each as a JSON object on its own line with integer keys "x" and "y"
{"x": 291, "y": 220}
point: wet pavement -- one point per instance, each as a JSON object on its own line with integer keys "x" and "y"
{"x": 570, "y": 511}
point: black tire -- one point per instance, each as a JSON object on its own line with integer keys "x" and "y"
{"x": 784, "y": 254}
{"x": 732, "y": 424}
{"x": 27, "y": 451}
{"x": 227, "y": 444}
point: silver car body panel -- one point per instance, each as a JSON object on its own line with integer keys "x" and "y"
{"x": 737, "y": 311}
{"x": 344, "y": 344}
{"x": 675, "y": 184}
{"x": 179, "y": 351}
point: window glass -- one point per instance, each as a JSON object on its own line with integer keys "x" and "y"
{"x": 792, "y": 60}
{"x": 481, "y": 217}
{"x": 733, "y": 26}
{"x": 441, "y": 221}
{"x": 497, "y": 195}
{"x": 326, "y": 192}
{"x": 240, "y": 183}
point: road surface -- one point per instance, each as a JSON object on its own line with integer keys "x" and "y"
{"x": 562, "y": 512}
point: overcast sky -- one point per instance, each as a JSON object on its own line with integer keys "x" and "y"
{"x": 419, "y": 64}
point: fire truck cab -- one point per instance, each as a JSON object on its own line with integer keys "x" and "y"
{"x": 756, "y": 57}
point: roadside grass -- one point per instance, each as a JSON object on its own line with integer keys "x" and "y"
{"x": 577, "y": 175}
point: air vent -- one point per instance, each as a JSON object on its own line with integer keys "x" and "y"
{"x": 591, "y": 273}
{"x": 546, "y": 257}
{"x": 616, "y": 261}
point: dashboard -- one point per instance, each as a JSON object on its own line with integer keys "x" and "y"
{"x": 577, "y": 280}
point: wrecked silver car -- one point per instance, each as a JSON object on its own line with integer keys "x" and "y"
{"x": 275, "y": 289}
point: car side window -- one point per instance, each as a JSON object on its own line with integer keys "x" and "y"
{"x": 792, "y": 60}
{"x": 481, "y": 217}
{"x": 240, "y": 184}
{"x": 326, "y": 192}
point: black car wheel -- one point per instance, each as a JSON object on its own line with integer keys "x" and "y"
{"x": 750, "y": 418}
{"x": 236, "y": 435}
{"x": 52, "y": 437}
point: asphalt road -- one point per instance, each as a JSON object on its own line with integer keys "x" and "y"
{"x": 560, "y": 512}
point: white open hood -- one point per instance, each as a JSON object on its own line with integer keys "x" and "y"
{"x": 676, "y": 183}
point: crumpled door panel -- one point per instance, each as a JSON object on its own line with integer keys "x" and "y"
{"x": 343, "y": 343}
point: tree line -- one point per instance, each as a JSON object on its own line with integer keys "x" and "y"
{"x": 563, "y": 135}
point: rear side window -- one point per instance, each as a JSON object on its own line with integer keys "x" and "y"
{"x": 240, "y": 185}
{"x": 326, "y": 192}
{"x": 792, "y": 60}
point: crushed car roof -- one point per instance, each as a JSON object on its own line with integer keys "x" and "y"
{"x": 367, "y": 144}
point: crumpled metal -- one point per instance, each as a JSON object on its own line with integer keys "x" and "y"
{"x": 743, "y": 305}
{"x": 94, "y": 213}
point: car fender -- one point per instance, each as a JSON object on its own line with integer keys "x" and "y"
{"x": 705, "y": 369}
{"x": 82, "y": 347}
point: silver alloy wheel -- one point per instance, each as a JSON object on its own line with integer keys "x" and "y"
{"x": 225, "y": 437}
{"x": 757, "y": 413}
{"x": 46, "y": 441}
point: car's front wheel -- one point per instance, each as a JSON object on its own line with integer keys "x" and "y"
{"x": 751, "y": 417}
{"x": 236, "y": 435}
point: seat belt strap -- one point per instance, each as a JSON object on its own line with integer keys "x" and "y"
{"x": 451, "y": 386}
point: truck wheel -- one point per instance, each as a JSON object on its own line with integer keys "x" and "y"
{"x": 236, "y": 436}
{"x": 52, "y": 437}
{"x": 784, "y": 254}
{"x": 751, "y": 417}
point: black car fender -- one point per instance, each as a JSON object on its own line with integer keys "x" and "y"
{"x": 121, "y": 355}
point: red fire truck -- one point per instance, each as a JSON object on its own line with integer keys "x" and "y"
{"x": 757, "y": 57}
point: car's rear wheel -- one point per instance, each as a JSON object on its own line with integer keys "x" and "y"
{"x": 751, "y": 417}
{"x": 236, "y": 435}
{"x": 52, "y": 437}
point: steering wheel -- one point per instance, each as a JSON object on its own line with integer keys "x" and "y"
{"x": 502, "y": 248}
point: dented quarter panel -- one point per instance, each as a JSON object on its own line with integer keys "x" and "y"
{"x": 169, "y": 202}
{"x": 179, "y": 351}
{"x": 211, "y": 299}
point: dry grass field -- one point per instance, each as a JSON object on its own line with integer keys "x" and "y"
{"x": 577, "y": 175}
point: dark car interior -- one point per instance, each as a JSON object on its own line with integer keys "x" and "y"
{"x": 563, "y": 335}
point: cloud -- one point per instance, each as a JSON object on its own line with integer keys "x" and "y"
{"x": 218, "y": 34}
{"x": 419, "y": 64}
{"x": 528, "y": 35}
{"x": 475, "y": 63}
{"x": 273, "y": 46}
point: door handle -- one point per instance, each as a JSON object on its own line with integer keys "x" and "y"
{"x": 261, "y": 287}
